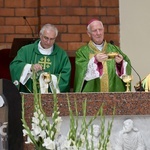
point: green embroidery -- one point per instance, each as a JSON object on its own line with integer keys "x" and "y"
{"x": 45, "y": 62}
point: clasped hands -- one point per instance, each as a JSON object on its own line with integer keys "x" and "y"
{"x": 100, "y": 57}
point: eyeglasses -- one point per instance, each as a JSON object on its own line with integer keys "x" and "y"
{"x": 48, "y": 39}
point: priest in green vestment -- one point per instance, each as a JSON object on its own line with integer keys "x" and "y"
{"x": 42, "y": 56}
{"x": 99, "y": 66}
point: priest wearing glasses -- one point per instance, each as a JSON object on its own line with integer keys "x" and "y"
{"x": 42, "y": 56}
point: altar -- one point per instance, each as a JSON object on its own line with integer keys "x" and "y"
{"x": 129, "y": 105}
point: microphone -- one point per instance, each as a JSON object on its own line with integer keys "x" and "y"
{"x": 24, "y": 17}
{"x": 112, "y": 43}
{"x": 140, "y": 81}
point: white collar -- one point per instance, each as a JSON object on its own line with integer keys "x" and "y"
{"x": 100, "y": 47}
{"x": 44, "y": 51}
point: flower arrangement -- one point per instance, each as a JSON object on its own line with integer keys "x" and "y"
{"x": 46, "y": 135}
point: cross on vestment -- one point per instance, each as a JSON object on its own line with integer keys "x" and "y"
{"x": 45, "y": 62}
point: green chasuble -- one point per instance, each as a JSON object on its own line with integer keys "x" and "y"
{"x": 56, "y": 63}
{"x": 109, "y": 81}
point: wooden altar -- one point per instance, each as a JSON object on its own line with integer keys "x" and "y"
{"x": 129, "y": 103}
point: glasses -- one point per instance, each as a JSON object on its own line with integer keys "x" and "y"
{"x": 48, "y": 39}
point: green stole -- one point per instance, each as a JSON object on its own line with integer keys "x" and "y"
{"x": 104, "y": 81}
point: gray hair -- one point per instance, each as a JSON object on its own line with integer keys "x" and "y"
{"x": 49, "y": 27}
{"x": 89, "y": 26}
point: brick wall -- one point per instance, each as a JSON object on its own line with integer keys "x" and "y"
{"x": 69, "y": 16}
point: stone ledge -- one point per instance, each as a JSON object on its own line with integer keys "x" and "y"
{"x": 130, "y": 103}
{"x": 127, "y": 104}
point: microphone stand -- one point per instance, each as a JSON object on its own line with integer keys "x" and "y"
{"x": 140, "y": 81}
{"x": 24, "y": 17}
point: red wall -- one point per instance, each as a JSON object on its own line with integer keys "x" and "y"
{"x": 69, "y": 16}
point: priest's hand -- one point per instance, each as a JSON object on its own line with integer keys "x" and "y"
{"x": 100, "y": 57}
{"x": 36, "y": 67}
{"x": 118, "y": 58}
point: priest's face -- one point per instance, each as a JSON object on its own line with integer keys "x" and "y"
{"x": 96, "y": 32}
{"x": 48, "y": 38}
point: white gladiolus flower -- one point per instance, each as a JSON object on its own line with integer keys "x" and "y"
{"x": 49, "y": 144}
{"x": 42, "y": 134}
{"x": 44, "y": 123}
{"x": 72, "y": 148}
{"x": 58, "y": 119}
{"x": 38, "y": 111}
{"x": 35, "y": 120}
{"x": 36, "y": 130}
{"x": 35, "y": 114}
{"x": 41, "y": 116}
{"x": 82, "y": 137}
{"x": 35, "y": 136}
{"x": 28, "y": 140}
{"x": 24, "y": 132}
{"x": 58, "y": 125}
{"x": 58, "y": 122}
{"x": 52, "y": 133}
{"x": 65, "y": 144}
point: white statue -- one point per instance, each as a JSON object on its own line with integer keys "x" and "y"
{"x": 94, "y": 138}
{"x": 129, "y": 138}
